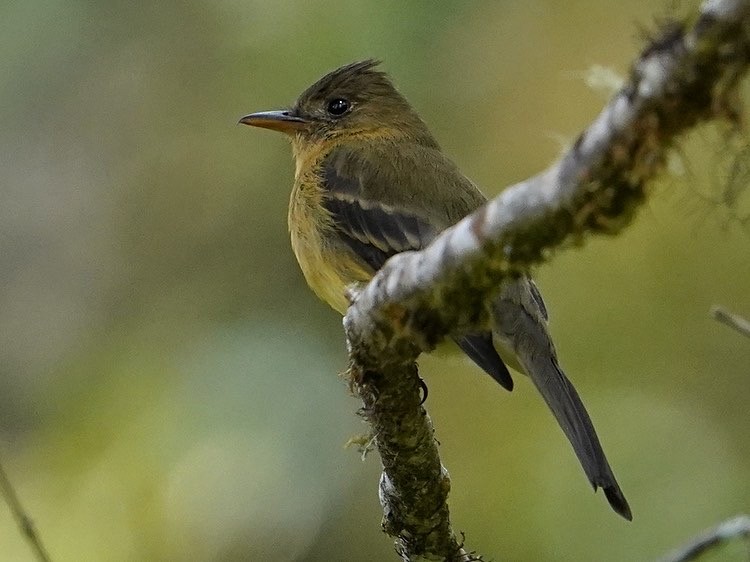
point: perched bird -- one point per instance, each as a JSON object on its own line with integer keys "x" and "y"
{"x": 370, "y": 182}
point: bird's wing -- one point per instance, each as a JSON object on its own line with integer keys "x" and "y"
{"x": 374, "y": 231}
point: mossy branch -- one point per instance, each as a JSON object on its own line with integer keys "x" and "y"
{"x": 687, "y": 75}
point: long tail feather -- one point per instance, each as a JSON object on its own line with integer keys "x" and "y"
{"x": 567, "y": 407}
{"x": 520, "y": 324}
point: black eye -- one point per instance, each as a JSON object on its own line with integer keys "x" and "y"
{"x": 337, "y": 106}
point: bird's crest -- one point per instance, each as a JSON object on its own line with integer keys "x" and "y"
{"x": 356, "y": 79}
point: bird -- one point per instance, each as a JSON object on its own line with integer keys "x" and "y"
{"x": 371, "y": 181}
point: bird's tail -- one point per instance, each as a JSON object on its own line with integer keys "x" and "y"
{"x": 561, "y": 397}
{"x": 520, "y": 324}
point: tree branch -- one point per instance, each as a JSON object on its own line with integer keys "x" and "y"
{"x": 25, "y": 524}
{"x": 686, "y": 76}
{"x": 726, "y": 531}
{"x": 734, "y": 321}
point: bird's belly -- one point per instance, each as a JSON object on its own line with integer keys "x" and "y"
{"x": 327, "y": 281}
{"x": 327, "y": 264}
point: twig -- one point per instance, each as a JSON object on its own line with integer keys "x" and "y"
{"x": 25, "y": 524}
{"x": 736, "y": 527}
{"x": 686, "y": 76}
{"x": 732, "y": 320}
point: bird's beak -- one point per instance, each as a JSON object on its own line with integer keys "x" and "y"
{"x": 283, "y": 121}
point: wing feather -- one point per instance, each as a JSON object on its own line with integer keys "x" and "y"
{"x": 362, "y": 221}
{"x": 374, "y": 232}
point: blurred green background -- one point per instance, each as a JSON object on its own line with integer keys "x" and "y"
{"x": 168, "y": 385}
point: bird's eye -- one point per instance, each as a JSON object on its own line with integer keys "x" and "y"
{"x": 337, "y": 106}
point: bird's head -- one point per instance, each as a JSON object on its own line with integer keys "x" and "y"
{"x": 356, "y": 100}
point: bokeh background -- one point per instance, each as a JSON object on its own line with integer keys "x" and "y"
{"x": 168, "y": 385}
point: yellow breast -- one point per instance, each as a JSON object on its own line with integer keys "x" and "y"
{"x": 328, "y": 265}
